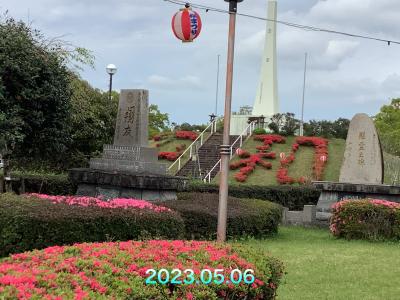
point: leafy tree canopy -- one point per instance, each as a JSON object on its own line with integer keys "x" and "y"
{"x": 387, "y": 122}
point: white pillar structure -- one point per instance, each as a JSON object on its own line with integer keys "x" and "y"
{"x": 267, "y": 102}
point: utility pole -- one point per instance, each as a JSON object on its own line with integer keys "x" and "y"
{"x": 304, "y": 92}
{"x": 216, "y": 93}
{"x": 225, "y": 147}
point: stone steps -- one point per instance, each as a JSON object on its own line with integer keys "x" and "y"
{"x": 208, "y": 156}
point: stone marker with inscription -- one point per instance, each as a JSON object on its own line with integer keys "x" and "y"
{"x": 363, "y": 160}
{"x": 128, "y": 168}
{"x": 361, "y": 174}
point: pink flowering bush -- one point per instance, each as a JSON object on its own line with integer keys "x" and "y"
{"x": 91, "y": 201}
{"x": 39, "y": 221}
{"x": 118, "y": 271}
{"x": 366, "y": 219}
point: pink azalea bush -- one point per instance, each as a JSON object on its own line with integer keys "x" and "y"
{"x": 91, "y": 201}
{"x": 371, "y": 219}
{"x": 118, "y": 271}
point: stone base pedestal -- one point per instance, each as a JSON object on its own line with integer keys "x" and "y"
{"x": 109, "y": 185}
{"x": 332, "y": 192}
{"x": 136, "y": 159}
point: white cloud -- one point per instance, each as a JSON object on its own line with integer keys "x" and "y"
{"x": 183, "y": 83}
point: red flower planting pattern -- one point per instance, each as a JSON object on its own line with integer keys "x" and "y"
{"x": 249, "y": 161}
{"x": 320, "y": 159}
{"x": 186, "y": 135}
{"x": 118, "y": 271}
{"x": 91, "y": 201}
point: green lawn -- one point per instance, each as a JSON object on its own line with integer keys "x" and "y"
{"x": 320, "y": 266}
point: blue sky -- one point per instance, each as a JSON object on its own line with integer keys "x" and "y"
{"x": 346, "y": 75}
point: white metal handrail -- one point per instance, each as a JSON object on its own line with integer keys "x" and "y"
{"x": 212, "y": 127}
{"x": 241, "y": 139}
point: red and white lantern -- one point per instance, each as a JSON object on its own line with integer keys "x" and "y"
{"x": 186, "y": 24}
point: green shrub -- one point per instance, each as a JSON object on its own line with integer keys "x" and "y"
{"x": 292, "y": 197}
{"x": 259, "y": 131}
{"x": 30, "y": 223}
{"x": 366, "y": 219}
{"x": 246, "y": 217}
{"x": 50, "y": 184}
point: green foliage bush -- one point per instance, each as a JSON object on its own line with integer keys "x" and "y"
{"x": 246, "y": 217}
{"x": 30, "y": 223}
{"x": 292, "y": 197}
{"x": 366, "y": 219}
{"x": 42, "y": 183}
{"x": 258, "y": 131}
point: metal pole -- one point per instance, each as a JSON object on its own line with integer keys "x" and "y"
{"x": 225, "y": 147}
{"x": 110, "y": 90}
{"x": 304, "y": 91}
{"x": 216, "y": 93}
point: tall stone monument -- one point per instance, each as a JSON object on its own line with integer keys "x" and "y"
{"x": 363, "y": 159}
{"x": 266, "y": 103}
{"x": 128, "y": 168}
{"x": 362, "y": 171}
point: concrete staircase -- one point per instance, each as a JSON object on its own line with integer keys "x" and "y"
{"x": 208, "y": 156}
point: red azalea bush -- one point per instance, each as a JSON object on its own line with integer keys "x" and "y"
{"x": 269, "y": 139}
{"x": 263, "y": 148}
{"x": 321, "y": 151}
{"x": 186, "y": 135}
{"x": 243, "y": 153}
{"x": 171, "y": 156}
{"x": 248, "y": 166}
{"x": 366, "y": 219}
{"x": 269, "y": 155}
{"x": 118, "y": 271}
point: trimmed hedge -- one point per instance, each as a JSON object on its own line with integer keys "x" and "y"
{"x": 29, "y": 223}
{"x": 246, "y": 217}
{"x": 50, "y": 184}
{"x": 291, "y": 197}
{"x": 366, "y": 219}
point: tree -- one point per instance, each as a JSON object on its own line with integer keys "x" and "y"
{"x": 387, "y": 122}
{"x": 158, "y": 121}
{"x": 34, "y": 94}
{"x": 285, "y": 124}
{"x": 92, "y": 120}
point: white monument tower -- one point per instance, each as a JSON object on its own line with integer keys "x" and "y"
{"x": 266, "y": 102}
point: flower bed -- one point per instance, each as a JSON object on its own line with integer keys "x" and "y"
{"x": 366, "y": 219}
{"x": 91, "y": 201}
{"x": 171, "y": 156}
{"x": 29, "y": 222}
{"x": 249, "y": 161}
{"x": 320, "y": 159}
{"x": 118, "y": 271}
{"x": 186, "y": 135}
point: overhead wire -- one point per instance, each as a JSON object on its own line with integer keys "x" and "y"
{"x": 295, "y": 25}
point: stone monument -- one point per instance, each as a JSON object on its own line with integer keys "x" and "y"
{"x": 363, "y": 158}
{"x": 361, "y": 174}
{"x": 128, "y": 168}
